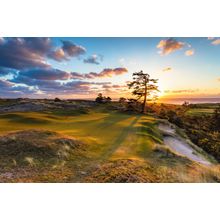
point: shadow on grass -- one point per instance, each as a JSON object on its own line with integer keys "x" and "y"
{"x": 120, "y": 139}
{"x": 23, "y": 119}
{"x": 149, "y": 129}
{"x": 150, "y": 133}
{"x": 70, "y": 112}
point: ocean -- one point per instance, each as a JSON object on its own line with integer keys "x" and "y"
{"x": 180, "y": 101}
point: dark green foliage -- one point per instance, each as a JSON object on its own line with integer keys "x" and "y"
{"x": 133, "y": 105}
{"x": 143, "y": 88}
{"x": 102, "y": 99}
{"x": 99, "y": 98}
{"x": 57, "y": 100}
{"x": 122, "y": 100}
{"x": 108, "y": 99}
{"x": 216, "y": 119}
{"x": 173, "y": 117}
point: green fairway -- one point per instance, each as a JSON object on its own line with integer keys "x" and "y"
{"x": 200, "y": 111}
{"x": 108, "y": 134}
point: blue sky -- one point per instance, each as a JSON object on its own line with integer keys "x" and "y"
{"x": 82, "y": 67}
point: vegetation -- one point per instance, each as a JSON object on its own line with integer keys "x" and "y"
{"x": 57, "y": 100}
{"x": 143, "y": 87}
{"x": 102, "y": 99}
{"x": 103, "y": 144}
{"x": 201, "y": 127}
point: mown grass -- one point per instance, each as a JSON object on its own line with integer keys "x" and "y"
{"x": 109, "y": 130}
{"x": 200, "y": 111}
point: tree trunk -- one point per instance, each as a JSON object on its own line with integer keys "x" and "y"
{"x": 145, "y": 97}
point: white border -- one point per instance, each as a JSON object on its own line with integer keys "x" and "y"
{"x": 133, "y": 18}
{"x": 109, "y": 18}
{"x": 109, "y": 201}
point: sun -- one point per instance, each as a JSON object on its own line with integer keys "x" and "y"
{"x": 161, "y": 92}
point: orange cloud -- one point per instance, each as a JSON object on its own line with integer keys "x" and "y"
{"x": 216, "y": 42}
{"x": 182, "y": 91}
{"x": 108, "y": 72}
{"x": 167, "y": 69}
{"x": 169, "y": 46}
{"x": 189, "y": 52}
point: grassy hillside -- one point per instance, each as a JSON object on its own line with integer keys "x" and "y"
{"x": 118, "y": 147}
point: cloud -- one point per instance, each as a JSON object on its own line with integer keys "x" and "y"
{"x": 27, "y": 53}
{"x": 108, "y": 72}
{"x": 189, "y": 52}
{"x": 72, "y": 50}
{"x": 12, "y": 90}
{"x": 182, "y": 91}
{"x": 169, "y": 46}
{"x": 52, "y": 81}
{"x": 21, "y": 53}
{"x": 167, "y": 69}
{"x": 94, "y": 59}
{"x": 107, "y": 86}
{"x": 5, "y": 84}
{"x": 5, "y": 71}
{"x": 52, "y": 87}
{"x": 58, "y": 55}
{"x": 46, "y": 84}
{"x": 75, "y": 75}
{"x": 24, "y": 62}
{"x": 216, "y": 42}
{"x": 66, "y": 51}
{"x": 44, "y": 74}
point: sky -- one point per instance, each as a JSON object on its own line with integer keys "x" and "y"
{"x": 83, "y": 67}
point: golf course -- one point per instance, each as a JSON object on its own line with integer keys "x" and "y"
{"x": 114, "y": 146}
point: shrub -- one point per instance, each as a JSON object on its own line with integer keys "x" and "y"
{"x": 57, "y": 100}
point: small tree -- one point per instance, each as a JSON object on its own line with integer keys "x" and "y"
{"x": 99, "y": 98}
{"x": 103, "y": 99}
{"x": 57, "y": 100}
{"x": 143, "y": 87}
{"x": 108, "y": 99}
{"x": 122, "y": 100}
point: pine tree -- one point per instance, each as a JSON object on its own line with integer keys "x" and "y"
{"x": 143, "y": 88}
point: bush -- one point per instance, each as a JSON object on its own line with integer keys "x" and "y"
{"x": 103, "y": 99}
{"x": 122, "y": 100}
{"x": 57, "y": 100}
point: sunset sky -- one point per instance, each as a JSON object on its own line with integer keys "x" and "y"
{"x": 83, "y": 67}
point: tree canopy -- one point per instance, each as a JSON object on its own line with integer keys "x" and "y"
{"x": 144, "y": 88}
